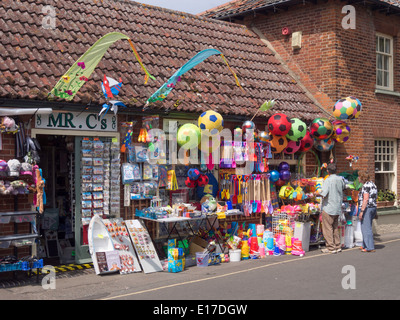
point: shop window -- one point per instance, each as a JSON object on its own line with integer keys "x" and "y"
{"x": 386, "y": 164}
{"x": 384, "y": 62}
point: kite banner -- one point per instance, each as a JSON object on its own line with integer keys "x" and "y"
{"x": 78, "y": 74}
{"x": 167, "y": 87}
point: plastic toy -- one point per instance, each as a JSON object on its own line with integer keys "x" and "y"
{"x": 188, "y": 136}
{"x": 347, "y": 109}
{"x": 297, "y": 248}
{"x": 210, "y": 122}
{"x": 341, "y": 131}
{"x": 279, "y": 124}
{"x": 292, "y": 147}
{"x": 324, "y": 144}
{"x": 306, "y": 143}
{"x": 278, "y": 143}
{"x": 297, "y": 131}
{"x": 321, "y": 128}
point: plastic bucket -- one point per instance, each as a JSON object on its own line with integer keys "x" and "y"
{"x": 202, "y": 259}
{"x": 235, "y": 255}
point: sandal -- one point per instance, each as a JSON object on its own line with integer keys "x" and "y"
{"x": 365, "y": 250}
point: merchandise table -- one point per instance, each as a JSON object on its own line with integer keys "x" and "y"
{"x": 174, "y": 221}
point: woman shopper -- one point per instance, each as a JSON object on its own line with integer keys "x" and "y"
{"x": 367, "y": 202}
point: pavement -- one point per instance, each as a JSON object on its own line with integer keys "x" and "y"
{"x": 314, "y": 276}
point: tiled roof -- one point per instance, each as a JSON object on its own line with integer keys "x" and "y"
{"x": 32, "y": 58}
{"x": 242, "y": 7}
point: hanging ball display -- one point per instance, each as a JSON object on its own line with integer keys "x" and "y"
{"x": 280, "y": 183}
{"x": 347, "y": 108}
{"x": 210, "y": 122}
{"x": 274, "y": 176}
{"x": 324, "y": 145}
{"x": 264, "y": 137}
{"x": 284, "y": 175}
{"x": 306, "y": 143}
{"x": 278, "y": 143}
{"x": 341, "y": 131}
{"x": 279, "y": 124}
{"x": 283, "y": 166}
{"x": 237, "y": 133}
{"x": 321, "y": 128}
{"x": 297, "y": 131}
{"x": 188, "y": 136}
{"x": 190, "y": 183}
{"x": 248, "y": 125}
{"x": 193, "y": 173}
{"x": 292, "y": 147}
{"x": 202, "y": 180}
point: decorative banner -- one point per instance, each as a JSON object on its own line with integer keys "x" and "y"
{"x": 81, "y": 70}
{"x": 167, "y": 87}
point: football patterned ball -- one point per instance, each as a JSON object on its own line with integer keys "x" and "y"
{"x": 297, "y": 131}
{"x": 193, "y": 173}
{"x": 341, "y": 131}
{"x": 211, "y": 121}
{"x": 278, "y": 144}
{"x": 321, "y": 128}
{"x": 292, "y": 147}
{"x": 324, "y": 144}
{"x": 279, "y": 124}
{"x": 347, "y": 109}
{"x": 306, "y": 143}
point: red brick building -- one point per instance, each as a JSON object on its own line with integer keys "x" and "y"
{"x": 35, "y": 53}
{"x": 346, "y": 48}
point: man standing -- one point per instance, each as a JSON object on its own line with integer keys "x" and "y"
{"x": 332, "y": 193}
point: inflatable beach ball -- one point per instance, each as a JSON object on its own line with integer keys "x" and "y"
{"x": 341, "y": 131}
{"x": 188, "y": 136}
{"x": 279, "y": 124}
{"x": 297, "y": 131}
{"x": 210, "y": 122}
{"x": 321, "y": 128}
{"x": 292, "y": 147}
{"x": 278, "y": 143}
{"x": 347, "y": 108}
{"x": 324, "y": 144}
{"x": 306, "y": 143}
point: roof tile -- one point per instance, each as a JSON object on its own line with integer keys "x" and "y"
{"x": 35, "y": 58}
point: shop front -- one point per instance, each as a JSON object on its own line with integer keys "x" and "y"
{"x": 80, "y": 159}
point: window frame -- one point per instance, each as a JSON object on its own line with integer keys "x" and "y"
{"x": 391, "y": 174}
{"x": 390, "y": 68}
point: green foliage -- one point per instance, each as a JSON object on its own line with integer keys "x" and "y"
{"x": 356, "y": 185}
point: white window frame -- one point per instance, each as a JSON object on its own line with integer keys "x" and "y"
{"x": 389, "y": 55}
{"x": 386, "y": 151}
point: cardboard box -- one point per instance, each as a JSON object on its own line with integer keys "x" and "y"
{"x": 197, "y": 244}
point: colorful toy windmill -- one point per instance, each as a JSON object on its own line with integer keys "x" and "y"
{"x": 111, "y": 88}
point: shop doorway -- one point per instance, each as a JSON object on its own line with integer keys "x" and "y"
{"x": 64, "y": 233}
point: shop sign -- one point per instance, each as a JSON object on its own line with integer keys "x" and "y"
{"x": 76, "y": 121}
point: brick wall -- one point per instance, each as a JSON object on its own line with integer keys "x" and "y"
{"x": 334, "y": 63}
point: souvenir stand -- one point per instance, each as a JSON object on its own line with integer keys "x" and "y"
{"x": 189, "y": 192}
{"x": 22, "y": 186}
